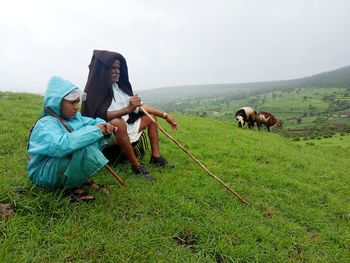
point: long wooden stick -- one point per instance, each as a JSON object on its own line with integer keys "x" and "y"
{"x": 69, "y": 129}
{"x": 110, "y": 169}
{"x": 239, "y": 197}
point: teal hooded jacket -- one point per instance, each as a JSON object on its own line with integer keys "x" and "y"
{"x": 57, "y": 157}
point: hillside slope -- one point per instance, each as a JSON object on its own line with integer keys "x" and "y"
{"x": 185, "y": 216}
{"x": 334, "y": 78}
{"x": 310, "y": 107}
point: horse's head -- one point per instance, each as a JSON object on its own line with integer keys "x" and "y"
{"x": 278, "y": 124}
{"x": 240, "y": 120}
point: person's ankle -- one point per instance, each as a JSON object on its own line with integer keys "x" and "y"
{"x": 135, "y": 164}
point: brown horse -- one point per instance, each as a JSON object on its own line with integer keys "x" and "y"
{"x": 267, "y": 119}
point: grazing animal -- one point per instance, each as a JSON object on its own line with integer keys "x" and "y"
{"x": 267, "y": 119}
{"x": 245, "y": 115}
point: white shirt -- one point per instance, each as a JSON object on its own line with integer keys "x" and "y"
{"x": 120, "y": 101}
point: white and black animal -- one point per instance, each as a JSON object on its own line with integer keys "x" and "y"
{"x": 245, "y": 116}
{"x": 267, "y": 119}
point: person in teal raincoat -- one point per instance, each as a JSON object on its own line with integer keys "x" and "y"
{"x": 64, "y": 146}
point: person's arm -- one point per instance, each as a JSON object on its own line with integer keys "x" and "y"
{"x": 158, "y": 113}
{"x": 134, "y": 102}
{"x": 90, "y": 121}
{"x": 50, "y": 138}
{"x": 117, "y": 113}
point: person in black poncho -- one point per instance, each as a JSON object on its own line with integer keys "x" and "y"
{"x": 110, "y": 97}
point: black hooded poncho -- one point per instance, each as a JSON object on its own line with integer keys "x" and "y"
{"x": 99, "y": 85}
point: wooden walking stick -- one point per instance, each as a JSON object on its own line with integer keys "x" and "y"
{"x": 120, "y": 180}
{"x": 69, "y": 129}
{"x": 239, "y": 197}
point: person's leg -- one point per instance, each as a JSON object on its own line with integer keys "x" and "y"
{"x": 124, "y": 142}
{"x": 50, "y": 173}
{"x": 71, "y": 172}
{"x": 152, "y": 128}
{"x": 125, "y": 145}
{"x": 84, "y": 163}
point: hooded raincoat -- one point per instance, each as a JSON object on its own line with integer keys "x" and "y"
{"x": 59, "y": 158}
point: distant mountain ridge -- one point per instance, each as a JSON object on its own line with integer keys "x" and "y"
{"x": 335, "y": 78}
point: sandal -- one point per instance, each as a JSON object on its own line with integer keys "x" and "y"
{"x": 81, "y": 195}
{"x": 96, "y": 186}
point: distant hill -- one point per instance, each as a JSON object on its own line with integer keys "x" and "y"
{"x": 309, "y": 107}
{"x": 335, "y": 78}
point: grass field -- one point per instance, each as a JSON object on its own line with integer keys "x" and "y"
{"x": 303, "y": 111}
{"x": 338, "y": 140}
{"x": 185, "y": 216}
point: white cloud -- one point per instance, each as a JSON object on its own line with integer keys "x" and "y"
{"x": 172, "y": 42}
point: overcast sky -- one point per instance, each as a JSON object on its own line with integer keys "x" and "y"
{"x": 174, "y": 42}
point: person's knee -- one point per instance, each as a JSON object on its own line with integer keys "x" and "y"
{"x": 154, "y": 118}
{"x": 153, "y": 124}
{"x": 119, "y": 123}
{"x": 149, "y": 121}
{"x": 122, "y": 136}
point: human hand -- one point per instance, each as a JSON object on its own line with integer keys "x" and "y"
{"x": 106, "y": 128}
{"x": 111, "y": 128}
{"x": 134, "y": 102}
{"x": 171, "y": 121}
{"x": 102, "y": 127}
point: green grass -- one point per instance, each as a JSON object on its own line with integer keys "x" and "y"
{"x": 310, "y": 108}
{"x": 338, "y": 140}
{"x": 185, "y": 216}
